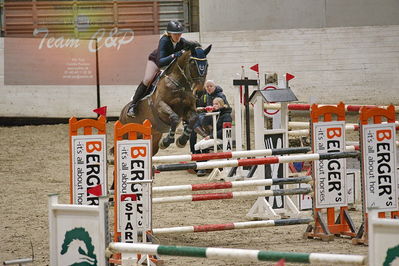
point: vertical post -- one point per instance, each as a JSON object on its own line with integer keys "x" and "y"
{"x": 238, "y": 122}
{"x": 246, "y": 83}
{"x": 97, "y": 77}
{"x": 215, "y": 135}
{"x": 247, "y": 118}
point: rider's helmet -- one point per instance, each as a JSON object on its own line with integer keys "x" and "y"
{"x": 175, "y": 26}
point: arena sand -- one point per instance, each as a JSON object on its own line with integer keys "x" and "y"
{"x": 34, "y": 163}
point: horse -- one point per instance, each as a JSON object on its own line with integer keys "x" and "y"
{"x": 173, "y": 99}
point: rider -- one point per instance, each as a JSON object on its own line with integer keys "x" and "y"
{"x": 170, "y": 46}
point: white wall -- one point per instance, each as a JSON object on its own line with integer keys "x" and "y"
{"x": 351, "y": 64}
{"x": 223, "y": 15}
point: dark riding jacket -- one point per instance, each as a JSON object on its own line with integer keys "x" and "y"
{"x": 224, "y": 116}
{"x": 162, "y": 56}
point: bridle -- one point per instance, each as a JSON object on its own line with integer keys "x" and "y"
{"x": 201, "y": 67}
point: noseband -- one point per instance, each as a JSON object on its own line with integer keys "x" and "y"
{"x": 201, "y": 66}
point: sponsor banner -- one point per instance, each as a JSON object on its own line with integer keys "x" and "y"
{"x": 133, "y": 164}
{"x": 330, "y": 181}
{"x": 89, "y": 169}
{"x": 383, "y": 240}
{"x": 108, "y": 57}
{"x": 227, "y": 139}
{"x": 379, "y": 167}
{"x": 78, "y": 235}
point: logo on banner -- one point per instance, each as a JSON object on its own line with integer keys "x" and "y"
{"x": 77, "y": 248}
{"x": 115, "y": 39}
{"x": 330, "y": 174}
{"x": 392, "y": 256}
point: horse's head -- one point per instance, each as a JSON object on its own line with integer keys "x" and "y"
{"x": 196, "y": 66}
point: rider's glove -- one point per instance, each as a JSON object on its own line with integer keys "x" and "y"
{"x": 177, "y": 54}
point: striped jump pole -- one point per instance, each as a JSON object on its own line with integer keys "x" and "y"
{"x": 233, "y": 184}
{"x": 232, "y": 195}
{"x": 230, "y": 226}
{"x": 246, "y": 255}
{"x": 257, "y": 161}
{"x": 348, "y": 126}
{"x": 228, "y": 155}
{"x": 306, "y": 107}
{"x": 305, "y": 132}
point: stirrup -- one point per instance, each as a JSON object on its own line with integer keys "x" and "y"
{"x": 132, "y": 111}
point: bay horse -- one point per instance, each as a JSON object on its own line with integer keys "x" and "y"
{"x": 173, "y": 99}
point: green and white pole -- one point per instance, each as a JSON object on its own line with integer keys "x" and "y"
{"x": 237, "y": 254}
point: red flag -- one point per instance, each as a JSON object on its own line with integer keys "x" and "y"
{"x": 280, "y": 263}
{"x": 288, "y": 76}
{"x": 96, "y": 191}
{"x": 255, "y": 68}
{"x": 101, "y": 111}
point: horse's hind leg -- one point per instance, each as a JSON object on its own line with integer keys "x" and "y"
{"x": 174, "y": 121}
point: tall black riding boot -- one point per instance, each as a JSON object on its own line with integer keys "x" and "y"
{"x": 140, "y": 92}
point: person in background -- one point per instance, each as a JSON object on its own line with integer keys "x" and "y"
{"x": 224, "y": 116}
{"x": 212, "y": 91}
{"x": 170, "y": 47}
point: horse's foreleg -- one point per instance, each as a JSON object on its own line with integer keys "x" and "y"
{"x": 174, "y": 121}
{"x": 182, "y": 140}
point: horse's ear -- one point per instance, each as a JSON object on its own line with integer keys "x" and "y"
{"x": 208, "y": 49}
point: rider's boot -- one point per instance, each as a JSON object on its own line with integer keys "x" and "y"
{"x": 140, "y": 92}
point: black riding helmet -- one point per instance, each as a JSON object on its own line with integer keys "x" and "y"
{"x": 175, "y": 26}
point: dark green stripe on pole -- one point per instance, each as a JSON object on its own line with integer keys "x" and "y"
{"x": 287, "y": 256}
{"x": 176, "y": 167}
{"x": 338, "y": 155}
{"x": 291, "y": 180}
{"x": 291, "y": 191}
{"x": 292, "y": 221}
{"x": 291, "y": 150}
{"x": 182, "y": 251}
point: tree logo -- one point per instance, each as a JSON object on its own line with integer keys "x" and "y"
{"x": 392, "y": 257}
{"x": 77, "y": 249}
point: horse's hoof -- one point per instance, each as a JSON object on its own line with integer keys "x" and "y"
{"x": 179, "y": 144}
{"x": 163, "y": 144}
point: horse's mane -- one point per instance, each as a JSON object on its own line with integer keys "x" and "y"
{"x": 182, "y": 60}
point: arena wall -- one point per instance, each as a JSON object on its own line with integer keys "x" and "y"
{"x": 290, "y": 14}
{"x": 352, "y": 64}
